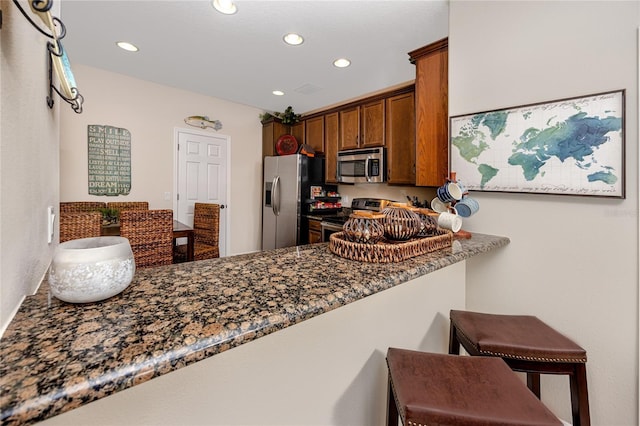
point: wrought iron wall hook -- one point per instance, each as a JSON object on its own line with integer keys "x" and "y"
{"x": 35, "y": 4}
{"x": 42, "y": 5}
{"x": 76, "y": 99}
{"x": 57, "y": 56}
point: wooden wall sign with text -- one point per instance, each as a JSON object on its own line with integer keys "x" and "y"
{"x": 109, "y": 160}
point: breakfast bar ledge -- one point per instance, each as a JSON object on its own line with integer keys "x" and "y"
{"x": 287, "y": 336}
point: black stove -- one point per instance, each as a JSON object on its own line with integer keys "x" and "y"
{"x": 339, "y": 219}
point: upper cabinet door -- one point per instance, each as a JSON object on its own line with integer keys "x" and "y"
{"x": 314, "y": 133}
{"x": 349, "y": 128}
{"x": 298, "y": 132}
{"x": 332, "y": 135}
{"x": 373, "y": 124}
{"x": 432, "y": 109}
{"x": 401, "y": 139}
{"x": 272, "y": 129}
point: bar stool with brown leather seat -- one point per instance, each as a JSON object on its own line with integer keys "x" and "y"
{"x": 527, "y": 345}
{"x": 438, "y": 389}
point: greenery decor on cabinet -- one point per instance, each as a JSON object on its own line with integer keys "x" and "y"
{"x": 287, "y": 117}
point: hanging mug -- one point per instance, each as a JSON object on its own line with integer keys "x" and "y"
{"x": 450, "y": 221}
{"x": 467, "y": 206}
{"x": 449, "y": 192}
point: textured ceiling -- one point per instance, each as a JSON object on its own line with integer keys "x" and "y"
{"x": 242, "y": 58}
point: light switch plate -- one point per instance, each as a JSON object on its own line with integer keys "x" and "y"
{"x": 51, "y": 220}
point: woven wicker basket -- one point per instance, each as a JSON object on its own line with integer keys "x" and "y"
{"x": 386, "y": 251}
{"x": 400, "y": 222}
{"x": 429, "y": 220}
{"x": 364, "y": 228}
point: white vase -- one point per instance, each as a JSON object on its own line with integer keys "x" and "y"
{"x": 91, "y": 269}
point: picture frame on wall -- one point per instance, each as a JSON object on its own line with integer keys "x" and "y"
{"x": 571, "y": 146}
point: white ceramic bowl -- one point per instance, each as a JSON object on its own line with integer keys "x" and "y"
{"x": 91, "y": 269}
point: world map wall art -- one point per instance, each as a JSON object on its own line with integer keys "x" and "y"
{"x": 571, "y": 146}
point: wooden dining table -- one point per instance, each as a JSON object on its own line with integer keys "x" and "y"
{"x": 180, "y": 230}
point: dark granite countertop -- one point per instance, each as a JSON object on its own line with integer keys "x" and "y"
{"x": 57, "y": 356}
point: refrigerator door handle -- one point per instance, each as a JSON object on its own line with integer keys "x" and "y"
{"x": 275, "y": 202}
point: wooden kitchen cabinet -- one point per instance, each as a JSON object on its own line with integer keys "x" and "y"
{"x": 349, "y": 125}
{"x": 314, "y": 133}
{"x": 401, "y": 139}
{"x": 432, "y": 121}
{"x": 315, "y": 231}
{"x": 298, "y": 132}
{"x": 331, "y": 136}
{"x": 272, "y": 129}
{"x": 362, "y": 126}
{"x": 372, "y": 118}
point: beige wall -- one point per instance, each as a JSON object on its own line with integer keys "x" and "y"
{"x": 28, "y": 159}
{"x": 151, "y": 112}
{"x": 572, "y": 261}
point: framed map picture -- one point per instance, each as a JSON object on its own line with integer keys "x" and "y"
{"x": 571, "y": 146}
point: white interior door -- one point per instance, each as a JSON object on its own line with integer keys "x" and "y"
{"x": 202, "y": 166}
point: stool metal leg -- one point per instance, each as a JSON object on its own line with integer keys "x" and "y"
{"x": 580, "y": 396}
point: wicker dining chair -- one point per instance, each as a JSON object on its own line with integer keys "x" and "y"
{"x": 79, "y": 225}
{"x": 81, "y": 206}
{"x": 206, "y": 224}
{"x": 150, "y": 234}
{"x": 128, "y": 205}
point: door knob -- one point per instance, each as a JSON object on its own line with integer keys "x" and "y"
{"x": 222, "y": 206}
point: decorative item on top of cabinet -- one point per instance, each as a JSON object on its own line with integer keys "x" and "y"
{"x": 331, "y": 136}
{"x": 314, "y": 133}
{"x": 432, "y": 134}
{"x": 401, "y": 139}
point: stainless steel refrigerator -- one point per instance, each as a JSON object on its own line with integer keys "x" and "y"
{"x": 287, "y": 184}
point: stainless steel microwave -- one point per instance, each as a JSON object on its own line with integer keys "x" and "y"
{"x": 361, "y": 165}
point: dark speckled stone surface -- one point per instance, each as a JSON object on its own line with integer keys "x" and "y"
{"x": 57, "y": 356}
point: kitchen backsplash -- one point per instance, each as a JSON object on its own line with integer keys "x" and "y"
{"x": 381, "y": 190}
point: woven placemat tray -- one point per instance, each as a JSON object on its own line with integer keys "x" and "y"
{"x": 386, "y": 251}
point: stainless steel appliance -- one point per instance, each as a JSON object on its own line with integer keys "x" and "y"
{"x": 287, "y": 182}
{"x": 361, "y": 165}
{"x": 331, "y": 224}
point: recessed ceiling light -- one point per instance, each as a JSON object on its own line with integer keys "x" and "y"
{"x": 225, "y": 6}
{"x": 293, "y": 39}
{"x": 278, "y": 92}
{"x": 127, "y": 46}
{"x": 342, "y": 62}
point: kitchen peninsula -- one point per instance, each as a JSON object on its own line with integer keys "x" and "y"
{"x": 287, "y": 336}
